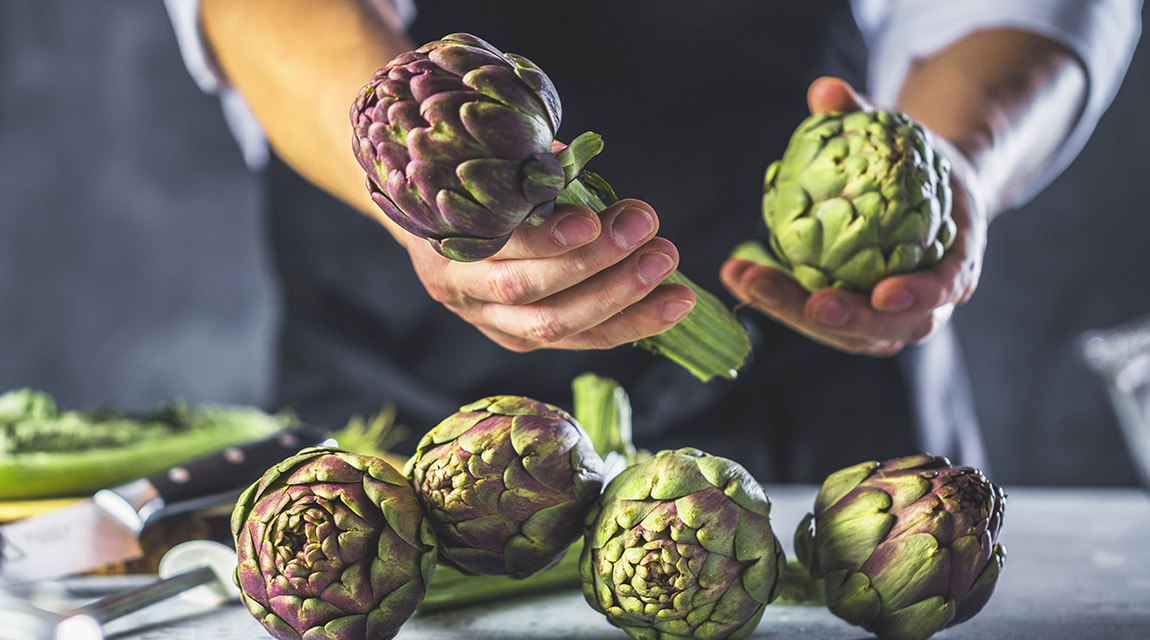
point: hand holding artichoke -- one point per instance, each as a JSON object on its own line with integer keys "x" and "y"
{"x": 681, "y": 546}
{"x": 907, "y": 547}
{"x": 506, "y": 483}
{"x": 855, "y": 198}
{"x": 456, "y": 140}
{"x": 332, "y": 545}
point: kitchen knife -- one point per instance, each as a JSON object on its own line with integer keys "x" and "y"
{"x": 105, "y": 528}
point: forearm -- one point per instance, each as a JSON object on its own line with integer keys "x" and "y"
{"x": 299, "y": 65}
{"x": 1005, "y": 98}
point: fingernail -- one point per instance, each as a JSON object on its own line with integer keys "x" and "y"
{"x": 674, "y": 310}
{"x": 631, "y": 227}
{"x": 832, "y": 312}
{"x": 573, "y": 230}
{"x": 898, "y": 300}
{"x": 654, "y": 266}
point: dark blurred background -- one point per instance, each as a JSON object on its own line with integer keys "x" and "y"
{"x": 132, "y": 269}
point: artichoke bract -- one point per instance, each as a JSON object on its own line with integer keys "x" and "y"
{"x": 858, "y": 197}
{"x": 506, "y": 483}
{"x": 681, "y": 546}
{"x": 907, "y": 547}
{"x": 456, "y": 139}
{"x": 332, "y": 544}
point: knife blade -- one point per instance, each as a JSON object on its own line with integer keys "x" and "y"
{"x": 105, "y": 527}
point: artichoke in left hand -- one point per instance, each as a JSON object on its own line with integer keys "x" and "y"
{"x": 680, "y": 546}
{"x": 906, "y": 547}
{"x": 332, "y": 545}
{"x": 855, "y": 198}
{"x": 506, "y": 483}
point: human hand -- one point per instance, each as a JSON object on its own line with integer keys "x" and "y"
{"x": 901, "y": 309}
{"x": 576, "y": 281}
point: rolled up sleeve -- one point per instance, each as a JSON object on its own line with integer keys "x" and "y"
{"x": 1101, "y": 33}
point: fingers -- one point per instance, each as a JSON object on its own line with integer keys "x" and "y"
{"x": 841, "y": 319}
{"x": 577, "y": 281}
{"x": 527, "y": 272}
{"x": 833, "y": 94}
{"x": 621, "y": 304}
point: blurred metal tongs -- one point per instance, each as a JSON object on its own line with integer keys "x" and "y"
{"x": 200, "y": 570}
{"x": 1121, "y": 356}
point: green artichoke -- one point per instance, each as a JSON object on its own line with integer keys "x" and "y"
{"x": 456, "y": 140}
{"x": 858, "y": 197}
{"x": 907, "y": 547}
{"x": 332, "y": 545}
{"x": 681, "y": 546}
{"x": 506, "y": 483}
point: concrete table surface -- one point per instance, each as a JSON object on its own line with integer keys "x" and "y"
{"x": 1077, "y": 566}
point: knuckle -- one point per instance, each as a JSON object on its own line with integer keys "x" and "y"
{"x": 545, "y": 327}
{"x": 509, "y": 285}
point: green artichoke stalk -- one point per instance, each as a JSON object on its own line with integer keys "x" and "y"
{"x": 907, "y": 547}
{"x": 456, "y": 139}
{"x": 681, "y": 546}
{"x": 855, "y": 198}
{"x": 332, "y": 545}
{"x": 506, "y": 483}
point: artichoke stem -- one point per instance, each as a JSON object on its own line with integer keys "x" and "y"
{"x": 602, "y": 406}
{"x": 709, "y": 341}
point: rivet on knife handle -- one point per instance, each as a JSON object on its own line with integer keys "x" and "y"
{"x": 234, "y": 467}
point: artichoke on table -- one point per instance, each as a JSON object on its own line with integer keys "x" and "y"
{"x": 332, "y": 545}
{"x": 681, "y": 546}
{"x": 906, "y": 547}
{"x": 506, "y": 483}
{"x": 456, "y": 140}
{"x": 855, "y": 198}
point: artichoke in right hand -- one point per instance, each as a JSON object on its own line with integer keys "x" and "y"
{"x": 855, "y": 198}
{"x": 456, "y": 140}
{"x": 680, "y": 546}
{"x": 906, "y": 547}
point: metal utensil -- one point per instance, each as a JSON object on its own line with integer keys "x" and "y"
{"x": 199, "y": 570}
{"x": 105, "y": 528}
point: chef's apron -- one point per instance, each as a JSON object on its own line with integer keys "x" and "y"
{"x": 693, "y": 100}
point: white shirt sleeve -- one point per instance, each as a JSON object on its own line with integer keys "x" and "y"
{"x": 202, "y": 67}
{"x": 1102, "y": 33}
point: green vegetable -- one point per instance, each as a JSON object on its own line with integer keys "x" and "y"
{"x": 681, "y": 546}
{"x": 906, "y": 547}
{"x": 456, "y": 137}
{"x": 332, "y": 545}
{"x": 45, "y": 452}
{"x": 855, "y": 198}
{"x": 506, "y": 482}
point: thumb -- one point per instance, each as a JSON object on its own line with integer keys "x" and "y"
{"x": 835, "y": 94}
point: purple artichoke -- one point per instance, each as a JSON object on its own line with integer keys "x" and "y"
{"x": 506, "y": 483}
{"x": 455, "y": 138}
{"x": 332, "y": 545}
{"x": 681, "y": 546}
{"x": 907, "y": 547}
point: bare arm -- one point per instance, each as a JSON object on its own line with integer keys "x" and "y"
{"x": 299, "y": 64}
{"x": 1005, "y": 98}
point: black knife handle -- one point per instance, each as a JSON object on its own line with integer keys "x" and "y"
{"x": 235, "y": 467}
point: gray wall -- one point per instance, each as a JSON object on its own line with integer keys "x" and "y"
{"x": 132, "y": 270}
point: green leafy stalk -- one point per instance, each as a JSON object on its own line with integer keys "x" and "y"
{"x": 709, "y": 341}
{"x": 601, "y": 405}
